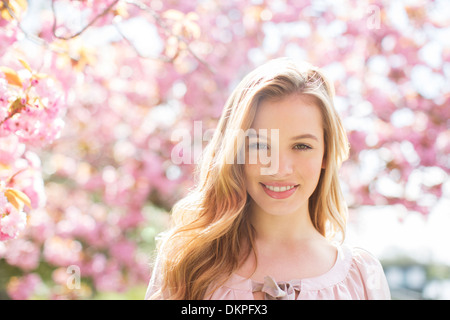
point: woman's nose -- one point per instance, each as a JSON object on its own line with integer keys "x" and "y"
{"x": 281, "y": 164}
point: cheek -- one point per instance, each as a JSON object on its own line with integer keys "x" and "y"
{"x": 313, "y": 164}
{"x": 252, "y": 177}
{"x": 311, "y": 170}
{"x": 250, "y": 173}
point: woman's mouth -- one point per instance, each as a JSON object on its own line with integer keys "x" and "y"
{"x": 279, "y": 191}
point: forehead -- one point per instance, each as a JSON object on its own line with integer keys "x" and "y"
{"x": 293, "y": 114}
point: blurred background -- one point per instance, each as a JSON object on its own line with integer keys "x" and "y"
{"x": 91, "y": 93}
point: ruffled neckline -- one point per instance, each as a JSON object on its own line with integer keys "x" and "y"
{"x": 286, "y": 289}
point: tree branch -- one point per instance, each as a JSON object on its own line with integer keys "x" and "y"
{"x": 131, "y": 44}
{"x": 160, "y": 22}
{"x": 33, "y": 38}
{"x": 103, "y": 13}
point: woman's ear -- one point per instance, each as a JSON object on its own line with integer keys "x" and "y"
{"x": 324, "y": 161}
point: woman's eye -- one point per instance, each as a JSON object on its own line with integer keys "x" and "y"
{"x": 302, "y": 146}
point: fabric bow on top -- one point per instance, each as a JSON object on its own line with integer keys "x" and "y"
{"x": 276, "y": 291}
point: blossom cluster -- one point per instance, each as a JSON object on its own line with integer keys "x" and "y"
{"x": 30, "y": 106}
{"x": 30, "y": 117}
{"x": 12, "y": 218}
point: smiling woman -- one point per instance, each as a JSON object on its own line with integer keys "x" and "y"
{"x": 246, "y": 224}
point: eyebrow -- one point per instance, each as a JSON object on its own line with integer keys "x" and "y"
{"x": 299, "y": 137}
{"x": 305, "y": 136}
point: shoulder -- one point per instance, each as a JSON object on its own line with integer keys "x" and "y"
{"x": 366, "y": 267}
{"x": 363, "y": 258}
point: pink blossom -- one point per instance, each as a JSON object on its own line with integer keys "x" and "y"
{"x": 10, "y": 149}
{"x": 124, "y": 252}
{"x": 3, "y": 201}
{"x": 41, "y": 226}
{"x": 24, "y": 287}
{"x": 7, "y": 37}
{"x": 62, "y": 252}
{"x": 111, "y": 279}
{"x": 23, "y": 254}
{"x": 12, "y": 222}
{"x": 95, "y": 266}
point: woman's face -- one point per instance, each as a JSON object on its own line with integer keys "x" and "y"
{"x": 285, "y": 157}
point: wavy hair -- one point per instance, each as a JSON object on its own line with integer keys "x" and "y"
{"x": 211, "y": 234}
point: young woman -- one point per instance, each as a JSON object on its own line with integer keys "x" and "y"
{"x": 267, "y": 205}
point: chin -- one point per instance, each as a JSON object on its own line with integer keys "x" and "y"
{"x": 278, "y": 208}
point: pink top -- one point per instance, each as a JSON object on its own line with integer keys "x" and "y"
{"x": 356, "y": 274}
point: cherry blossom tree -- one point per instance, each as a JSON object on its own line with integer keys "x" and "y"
{"x": 92, "y": 91}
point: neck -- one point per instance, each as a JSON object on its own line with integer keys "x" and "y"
{"x": 295, "y": 226}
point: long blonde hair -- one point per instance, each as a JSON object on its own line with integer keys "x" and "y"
{"x": 211, "y": 233}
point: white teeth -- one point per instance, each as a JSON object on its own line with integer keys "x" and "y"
{"x": 279, "y": 189}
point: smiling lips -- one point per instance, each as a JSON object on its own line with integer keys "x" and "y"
{"x": 279, "y": 191}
